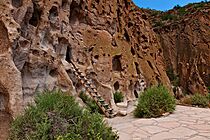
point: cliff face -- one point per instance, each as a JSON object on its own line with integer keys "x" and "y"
{"x": 184, "y": 35}
{"x": 108, "y": 40}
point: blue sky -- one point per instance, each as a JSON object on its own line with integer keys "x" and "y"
{"x": 162, "y": 4}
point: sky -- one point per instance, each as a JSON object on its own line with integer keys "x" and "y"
{"x": 162, "y": 5}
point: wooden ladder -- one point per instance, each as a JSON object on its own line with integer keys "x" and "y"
{"x": 91, "y": 89}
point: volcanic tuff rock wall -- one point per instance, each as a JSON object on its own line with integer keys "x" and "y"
{"x": 107, "y": 39}
{"x": 186, "y": 45}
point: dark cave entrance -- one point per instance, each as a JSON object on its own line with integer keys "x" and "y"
{"x": 137, "y": 68}
{"x": 116, "y": 86}
{"x": 116, "y": 63}
{"x": 69, "y": 54}
{"x": 36, "y": 16}
{"x": 17, "y": 3}
{"x": 53, "y": 13}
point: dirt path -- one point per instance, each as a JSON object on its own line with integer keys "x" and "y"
{"x": 5, "y": 120}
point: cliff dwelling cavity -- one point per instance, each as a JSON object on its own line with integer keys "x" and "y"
{"x": 68, "y": 54}
{"x": 116, "y": 86}
{"x": 132, "y": 51}
{"x": 17, "y": 3}
{"x": 137, "y": 68}
{"x": 36, "y": 16}
{"x": 116, "y": 63}
{"x": 126, "y": 35}
{"x": 53, "y": 13}
{"x": 74, "y": 12}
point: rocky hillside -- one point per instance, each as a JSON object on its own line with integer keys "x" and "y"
{"x": 110, "y": 41}
{"x": 184, "y": 34}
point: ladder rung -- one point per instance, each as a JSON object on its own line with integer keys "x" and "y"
{"x": 109, "y": 110}
{"x": 105, "y": 105}
{"x": 101, "y": 100}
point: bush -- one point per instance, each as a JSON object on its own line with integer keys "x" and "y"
{"x": 168, "y": 17}
{"x": 118, "y": 97}
{"x": 91, "y": 104}
{"x": 182, "y": 11}
{"x": 58, "y": 116}
{"x": 200, "y": 100}
{"x": 154, "y": 102}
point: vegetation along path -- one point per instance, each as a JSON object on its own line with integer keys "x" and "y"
{"x": 186, "y": 123}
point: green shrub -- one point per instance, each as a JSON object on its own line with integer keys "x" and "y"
{"x": 200, "y": 100}
{"x": 168, "y": 17}
{"x": 91, "y": 104}
{"x": 199, "y": 5}
{"x": 182, "y": 11}
{"x": 154, "y": 102}
{"x": 118, "y": 97}
{"x": 58, "y": 116}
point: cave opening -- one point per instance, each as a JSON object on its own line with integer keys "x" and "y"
{"x": 116, "y": 86}
{"x": 116, "y": 63}
{"x": 132, "y": 51}
{"x": 53, "y": 13}
{"x": 53, "y": 72}
{"x": 150, "y": 64}
{"x": 17, "y": 3}
{"x": 137, "y": 68}
{"x": 136, "y": 94}
{"x": 74, "y": 12}
{"x": 126, "y": 35}
{"x": 36, "y": 16}
{"x": 69, "y": 54}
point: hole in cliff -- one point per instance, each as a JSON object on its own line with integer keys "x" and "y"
{"x": 150, "y": 64}
{"x": 137, "y": 68}
{"x": 74, "y": 12}
{"x": 132, "y": 51}
{"x": 68, "y": 54}
{"x": 91, "y": 49}
{"x": 136, "y": 94}
{"x": 126, "y": 36}
{"x": 145, "y": 38}
{"x": 116, "y": 64}
{"x": 130, "y": 24}
{"x": 53, "y": 13}
{"x": 17, "y": 3}
{"x": 35, "y": 17}
{"x": 116, "y": 86}
{"x": 144, "y": 17}
{"x": 126, "y": 4}
{"x": 53, "y": 73}
{"x": 96, "y": 57}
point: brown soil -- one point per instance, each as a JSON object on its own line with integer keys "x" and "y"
{"x": 5, "y": 120}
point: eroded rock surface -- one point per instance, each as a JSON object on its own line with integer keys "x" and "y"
{"x": 184, "y": 35}
{"x": 108, "y": 40}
